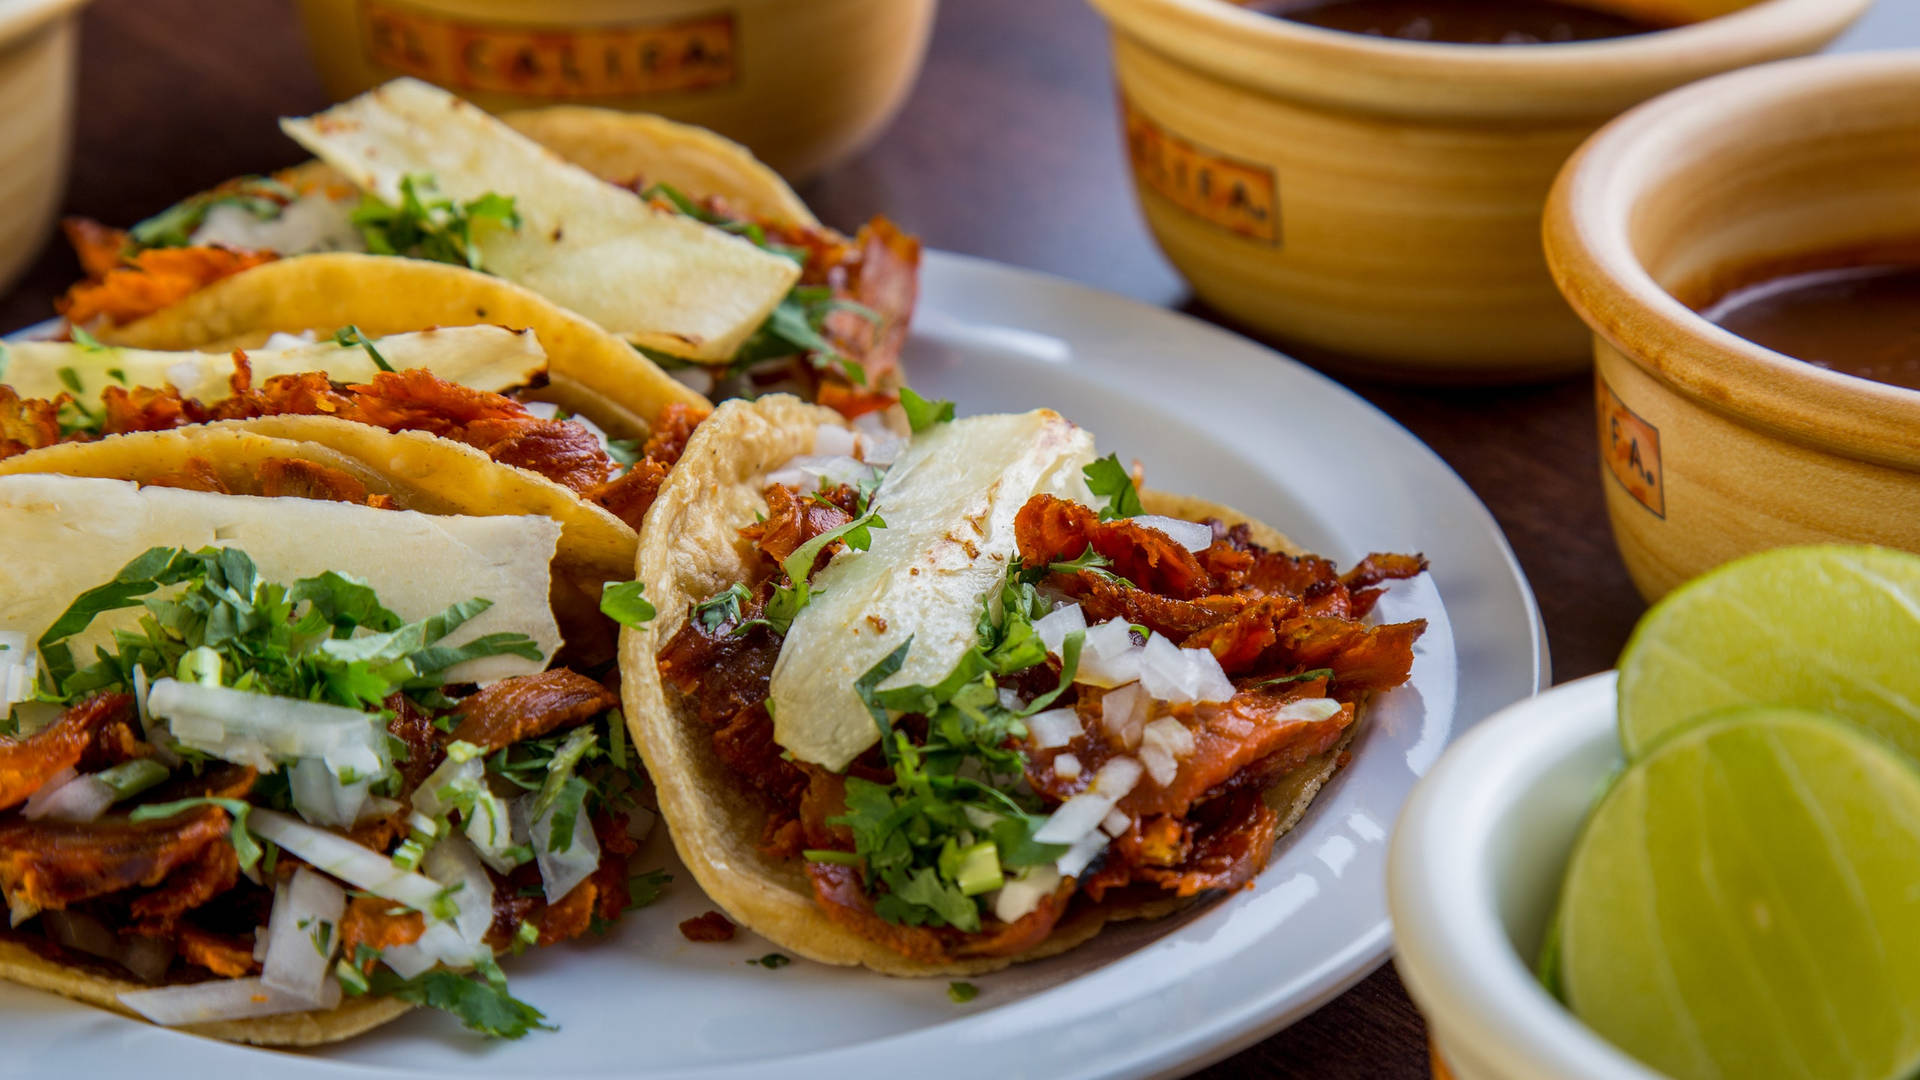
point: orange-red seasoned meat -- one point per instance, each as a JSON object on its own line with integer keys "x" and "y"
{"x": 51, "y": 864}
{"x": 414, "y": 729}
{"x": 844, "y": 898}
{"x": 529, "y": 706}
{"x": 378, "y": 924}
{"x": 517, "y": 897}
{"x": 792, "y": 520}
{"x": 301, "y": 479}
{"x": 1226, "y": 852}
{"x": 229, "y": 956}
{"x": 27, "y": 764}
{"x": 709, "y": 927}
{"x": 1276, "y": 634}
{"x": 141, "y": 284}
{"x": 1050, "y": 530}
{"x": 27, "y": 423}
{"x": 156, "y": 913}
{"x": 1101, "y": 600}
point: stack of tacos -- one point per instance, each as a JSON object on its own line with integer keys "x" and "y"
{"x": 373, "y": 525}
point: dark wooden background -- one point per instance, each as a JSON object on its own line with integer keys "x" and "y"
{"x": 1009, "y": 149}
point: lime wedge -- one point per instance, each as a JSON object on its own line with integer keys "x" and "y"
{"x": 1834, "y": 629}
{"x": 1743, "y": 903}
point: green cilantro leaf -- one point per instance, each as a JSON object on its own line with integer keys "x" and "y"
{"x": 621, "y": 601}
{"x": 790, "y": 599}
{"x": 923, "y": 413}
{"x": 428, "y": 226}
{"x": 644, "y": 889}
{"x": 773, "y": 961}
{"x": 349, "y": 336}
{"x": 261, "y": 196}
{"x": 721, "y": 609}
{"x": 1110, "y": 480}
{"x": 482, "y": 1004}
{"x": 962, "y": 992}
{"x": 1304, "y": 676}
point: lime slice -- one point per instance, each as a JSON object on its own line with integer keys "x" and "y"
{"x": 1834, "y": 629}
{"x": 1743, "y": 903}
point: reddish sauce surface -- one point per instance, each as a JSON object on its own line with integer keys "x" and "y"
{"x": 1863, "y": 321}
{"x": 1461, "y": 22}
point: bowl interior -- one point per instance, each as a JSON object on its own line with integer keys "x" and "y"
{"x": 1808, "y": 172}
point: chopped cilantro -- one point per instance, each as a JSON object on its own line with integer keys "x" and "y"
{"x": 1110, "y": 480}
{"x": 722, "y": 608}
{"x": 773, "y": 961}
{"x": 962, "y": 992}
{"x": 482, "y": 1003}
{"x": 627, "y": 452}
{"x": 922, "y": 413}
{"x": 956, "y": 790}
{"x": 287, "y": 640}
{"x": 1089, "y": 561}
{"x": 86, "y": 341}
{"x": 261, "y": 196}
{"x": 621, "y": 601}
{"x": 790, "y": 599}
{"x": 644, "y": 889}
{"x": 349, "y": 336}
{"x": 430, "y": 226}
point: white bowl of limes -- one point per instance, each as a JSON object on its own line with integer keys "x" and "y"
{"x": 1707, "y": 866}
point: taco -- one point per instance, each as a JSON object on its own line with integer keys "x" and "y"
{"x": 422, "y": 406}
{"x": 266, "y": 781}
{"x": 942, "y": 707}
{"x": 696, "y": 253}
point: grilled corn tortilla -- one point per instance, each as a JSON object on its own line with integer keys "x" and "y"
{"x": 589, "y": 371}
{"x": 690, "y": 549}
{"x": 93, "y": 982}
{"x": 623, "y": 147}
{"x": 652, "y": 276}
{"x": 418, "y": 470}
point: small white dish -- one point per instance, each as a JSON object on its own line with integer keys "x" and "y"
{"x": 1474, "y": 874}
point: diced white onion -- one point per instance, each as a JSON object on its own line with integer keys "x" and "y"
{"x": 832, "y": 440}
{"x": 1313, "y": 710}
{"x": 560, "y": 871}
{"x": 1010, "y": 699}
{"x": 312, "y": 222}
{"x": 1018, "y": 898}
{"x": 36, "y": 804}
{"x": 1075, "y": 818}
{"x": 82, "y": 798}
{"x": 1082, "y": 853}
{"x": 153, "y": 731}
{"x": 490, "y": 830}
{"x": 1116, "y": 778}
{"x": 279, "y": 339}
{"x": 809, "y": 472}
{"x": 1055, "y": 625}
{"x": 1169, "y": 736}
{"x": 1116, "y": 823}
{"x": 1109, "y": 657}
{"x": 453, "y": 781}
{"x": 1171, "y": 673}
{"x": 321, "y": 798}
{"x": 1188, "y": 534}
{"x": 331, "y": 853}
{"x": 303, "y": 933}
{"x": 878, "y": 443}
{"x": 1123, "y": 713}
{"x": 698, "y": 379}
{"x": 19, "y": 669}
{"x": 460, "y": 941}
{"x": 262, "y": 730}
{"x": 1159, "y": 765}
{"x": 1066, "y": 767}
{"x": 148, "y": 958}
{"x": 223, "y": 999}
{"x": 1054, "y": 728}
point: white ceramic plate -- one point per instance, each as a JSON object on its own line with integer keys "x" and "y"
{"x": 1210, "y": 413}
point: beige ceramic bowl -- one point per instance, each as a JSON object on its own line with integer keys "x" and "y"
{"x": 805, "y": 83}
{"x": 37, "y": 45}
{"x": 1712, "y": 446}
{"x": 1382, "y": 198}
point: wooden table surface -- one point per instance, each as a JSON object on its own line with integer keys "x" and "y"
{"x": 1008, "y": 149}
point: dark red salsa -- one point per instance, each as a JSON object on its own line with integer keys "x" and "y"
{"x": 1863, "y": 321}
{"x": 1462, "y": 22}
